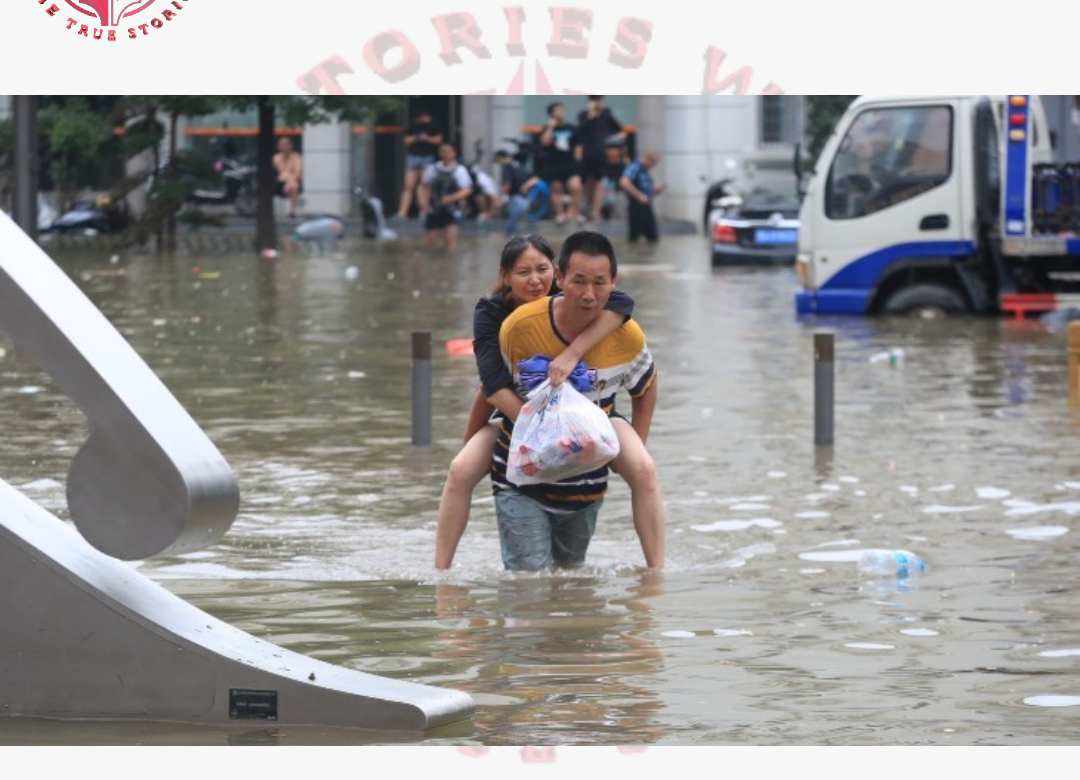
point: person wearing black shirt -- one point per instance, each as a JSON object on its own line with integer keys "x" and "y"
{"x": 599, "y": 130}
{"x": 562, "y": 157}
{"x": 516, "y": 184}
{"x": 422, "y": 140}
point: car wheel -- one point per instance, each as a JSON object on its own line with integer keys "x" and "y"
{"x": 926, "y": 301}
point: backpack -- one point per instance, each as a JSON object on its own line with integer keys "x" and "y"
{"x": 445, "y": 183}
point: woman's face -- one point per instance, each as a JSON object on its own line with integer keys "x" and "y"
{"x": 530, "y": 277}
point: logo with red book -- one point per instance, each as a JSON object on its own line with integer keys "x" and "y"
{"x": 106, "y": 20}
{"x": 109, "y": 13}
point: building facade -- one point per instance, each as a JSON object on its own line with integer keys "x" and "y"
{"x": 700, "y": 139}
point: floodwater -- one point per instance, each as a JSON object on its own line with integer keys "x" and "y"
{"x": 761, "y": 631}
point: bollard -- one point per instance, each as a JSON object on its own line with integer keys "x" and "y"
{"x": 824, "y": 386}
{"x": 1074, "y": 362}
{"x": 421, "y": 388}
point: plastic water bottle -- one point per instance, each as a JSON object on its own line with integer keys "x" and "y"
{"x": 891, "y": 563}
{"x": 893, "y": 356}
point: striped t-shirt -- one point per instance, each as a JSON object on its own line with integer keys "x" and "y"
{"x": 621, "y": 360}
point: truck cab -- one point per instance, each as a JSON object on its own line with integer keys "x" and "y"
{"x": 924, "y": 205}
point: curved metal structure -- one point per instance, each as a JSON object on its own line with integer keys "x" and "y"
{"x": 86, "y": 636}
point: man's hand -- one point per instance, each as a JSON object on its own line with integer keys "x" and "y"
{"x": 561, "y": 367}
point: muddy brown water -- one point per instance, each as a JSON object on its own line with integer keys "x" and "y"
{"x": 761, "y": 630}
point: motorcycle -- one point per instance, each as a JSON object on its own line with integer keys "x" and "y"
{"x": 372, "y": 217}
{"x": 325, "y": 230}
{"x": 103, "y": 214}
{"x": 236, "y": 187}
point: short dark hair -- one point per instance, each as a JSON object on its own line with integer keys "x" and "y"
{"x": 588, "y": 242}
{"x": 551, "y": 107}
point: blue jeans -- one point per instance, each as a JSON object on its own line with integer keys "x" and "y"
{"x": 516, "y": 208}
{"x": 532, "y": 538}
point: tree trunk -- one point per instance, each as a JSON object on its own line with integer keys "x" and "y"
{"x": 265, "y": 228}
{"x": 26, "y": 164}
{"x": 174, "y": 173}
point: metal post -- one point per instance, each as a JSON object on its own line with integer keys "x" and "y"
{"x": 26, "y": 163}
{"x": 1074, "y": 362}
{"x": 824, "y": 386}
{"x": 421, "y": 388}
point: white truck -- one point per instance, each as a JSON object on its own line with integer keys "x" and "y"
{"x": 940, "y": 205}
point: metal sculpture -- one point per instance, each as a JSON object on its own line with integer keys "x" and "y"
{"x": 86, "y": 636}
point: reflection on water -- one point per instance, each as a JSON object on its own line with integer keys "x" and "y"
{"x": 761, "y": 631}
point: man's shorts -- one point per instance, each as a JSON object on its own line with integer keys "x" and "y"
{"x": 442, "y": 217}
{"x": 562, "y": 171}
{"x": 416, "y": 162}
{"x": 279, "y": 188}
{"x": 531, "y": 538}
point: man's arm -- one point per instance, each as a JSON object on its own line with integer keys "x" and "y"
{"x": 627, "y": 185}
{"x": 642, "y": 408}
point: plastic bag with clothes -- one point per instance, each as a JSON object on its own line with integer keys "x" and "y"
{"x": 559, "y": 434}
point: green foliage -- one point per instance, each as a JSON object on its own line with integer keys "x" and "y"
{"x": 822, "y": 114}
{"x": 76, "y": 136}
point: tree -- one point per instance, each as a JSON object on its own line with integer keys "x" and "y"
{"x": 296, "y": 111}
{"x": 76, "y": 135}
{"x": 144, "y": 131}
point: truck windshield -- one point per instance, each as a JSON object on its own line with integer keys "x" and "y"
{"x": 889, "y": 156}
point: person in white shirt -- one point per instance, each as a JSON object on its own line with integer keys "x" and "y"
{"x": 448, "y": 184}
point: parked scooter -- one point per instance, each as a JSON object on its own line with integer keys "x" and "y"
{"x": 373, "y": 219}
{"x": 104, "y": 214}
{"x": 236, "y": 187}
{"x": 325, "y": 230}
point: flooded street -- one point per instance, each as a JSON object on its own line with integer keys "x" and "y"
{"x": 761, "y": 631}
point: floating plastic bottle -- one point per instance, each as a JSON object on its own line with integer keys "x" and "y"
{"x": 892, "y": 356}
{"x": 891, "y": 563}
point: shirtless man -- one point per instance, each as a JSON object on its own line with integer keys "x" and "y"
{"x": 290, "y": 168}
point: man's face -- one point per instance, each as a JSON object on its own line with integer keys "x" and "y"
{"x": 558, "y": 113}
{"x": 447, "y": 153}
{"x": 284, "y": 146}
{"x": 587, "y": 283}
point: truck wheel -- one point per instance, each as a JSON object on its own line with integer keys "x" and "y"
{"x": 926, "y": 301}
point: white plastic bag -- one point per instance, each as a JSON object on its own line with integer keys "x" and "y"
{"x": 559, "y": 433}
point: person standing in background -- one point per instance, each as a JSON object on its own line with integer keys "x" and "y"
{"x": 636, "y": 181}
{"x": 446, "y": 184}
{"x": 562, "y": 148}
{"x": 422, "y": 140}
{"x": 289, "y": 166}
{"x": 598, "y": 130}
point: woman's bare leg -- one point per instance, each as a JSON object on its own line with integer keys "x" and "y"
{"x": 635, "y": 465}
{"x": 470, "y": 466}
{"x": 411, "y": 177}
